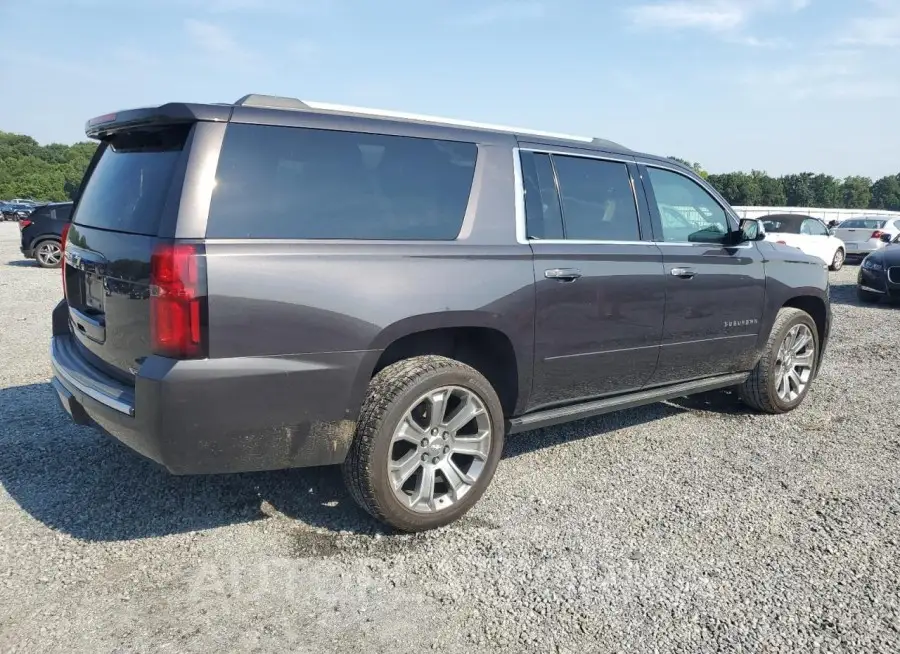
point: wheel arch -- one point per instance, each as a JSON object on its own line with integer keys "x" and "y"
{"x": 473, "y": 338}
{"x": 818, "y": 309}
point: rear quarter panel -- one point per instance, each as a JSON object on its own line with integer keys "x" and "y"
{"x": 294, "y": 297}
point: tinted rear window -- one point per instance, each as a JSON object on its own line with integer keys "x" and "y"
{"x": 782, "y": 224}
{"x": 287, "y": 182}
{"x": 127, "y": 190}
{"x": 858, "y": 223}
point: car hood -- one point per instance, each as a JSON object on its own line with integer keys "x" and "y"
{"x": 889, "y": 256}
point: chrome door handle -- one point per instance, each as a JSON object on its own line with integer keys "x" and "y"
{"x": 563, "y": 274}
{"x": 684, "y": 273}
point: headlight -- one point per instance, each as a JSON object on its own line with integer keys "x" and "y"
{"x": 868, "y": 264}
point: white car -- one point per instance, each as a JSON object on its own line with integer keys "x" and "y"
{"x": 807, "y": 234}
{"x": 863, "y": 235}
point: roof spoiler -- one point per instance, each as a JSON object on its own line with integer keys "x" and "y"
{"x": 167, "y": 114}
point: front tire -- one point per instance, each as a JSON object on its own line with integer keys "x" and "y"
{"x": 782, "y": 377}
{"x": 428, "y": 440}
{"x": 837, "y": 261}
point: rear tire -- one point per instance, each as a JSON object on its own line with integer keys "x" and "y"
{"x": 780, "y": 382}
{"x": 867, "y": 297}
{"x": 838, "y": 261}
{"x": 48, "y": 253}
{"x": 407, "y": 464}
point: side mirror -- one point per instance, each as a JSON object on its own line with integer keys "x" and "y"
{"x": 887, "y": 238}
{"x": 751, "y": 230}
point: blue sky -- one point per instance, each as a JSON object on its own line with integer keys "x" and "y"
{"x": 777, "y": 85}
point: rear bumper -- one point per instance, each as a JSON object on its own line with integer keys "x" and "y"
{"x": 863, "y": 248}
{"x": 216, "y": 415}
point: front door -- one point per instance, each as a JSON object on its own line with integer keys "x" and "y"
{"x": 600, "y": 289}
{"x": 715, "y": 293}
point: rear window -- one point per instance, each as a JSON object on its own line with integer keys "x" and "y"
{"x": 860, "y": 223}
{"x": 288, "y": 182}
{"x": 782, "y": 224}
{"x": 127, "y": 189}
{"x": 41, "y": 212}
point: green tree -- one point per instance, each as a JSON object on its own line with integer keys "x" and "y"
{"x": 696, "y": 167}
{"x": 738, "y": 188}
{"x": 856, "y": 192}
{"x": 826, "y": 191}
{"x": 46, "y": 173}
{"x": 886, "y": 193}
{"x": 771, "y": 189}
{"x": 798, "y": 190}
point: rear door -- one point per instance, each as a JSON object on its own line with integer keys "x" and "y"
{"x": 133, "y": 184}
{"x": 600, "y": 289}
{"x": 715, "y": 293}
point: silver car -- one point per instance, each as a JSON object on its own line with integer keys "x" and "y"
{"x": 863, "y": 235}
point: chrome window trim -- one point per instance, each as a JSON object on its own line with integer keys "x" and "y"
{"x": 521, "y": 223}
{"x": 519, "y": 190}
{"x": 521, "y": 220}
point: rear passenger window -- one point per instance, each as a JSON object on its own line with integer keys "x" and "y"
{"x": 543, "y": 215}
{"x": 597, "y": 199}
{"x": 287, "y": 182}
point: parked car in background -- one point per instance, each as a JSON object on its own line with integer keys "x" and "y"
{"x": 15, "y": 211}
{"x": 879, "y": 273}
{"x": 42, "y": 233}
{"x": 806, "y": 233}
{"x": 26, "y": 201}
{"x": 863, "y": 235}
{"x": 419, "y": 287}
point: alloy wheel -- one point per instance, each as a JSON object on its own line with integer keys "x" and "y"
{"x": 440, "y": 449}
{"x": 49, "y": 253}
{"x": 794, "y": 364}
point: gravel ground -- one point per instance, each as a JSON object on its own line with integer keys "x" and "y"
{"x": 686, "y": 526}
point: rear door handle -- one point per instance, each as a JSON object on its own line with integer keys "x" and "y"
{"x": 563, "y": 274}
{"x": 684, "y": 273}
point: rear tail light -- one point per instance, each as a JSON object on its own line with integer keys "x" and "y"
{"x": 63, "y": 239}
{"x": 178, "y": 300}
{"x": 23, "y": 223}
{"x": 876, "y": 234}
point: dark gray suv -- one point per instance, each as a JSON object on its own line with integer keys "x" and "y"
{"x": 274, "y": 283}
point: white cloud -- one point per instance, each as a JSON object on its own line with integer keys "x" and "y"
{"x": 504, "y": 12}
{"x": 717, "y": 16}
{"x": 836, "y": 74}
{"x": 882, "y": 29}
{"x": 217, "y": 42}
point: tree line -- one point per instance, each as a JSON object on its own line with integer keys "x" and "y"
{"x": 43, "y": 172}
{"x": 757, "y": 188}
{"x": 53, "y": 173}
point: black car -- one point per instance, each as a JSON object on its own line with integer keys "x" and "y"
{"x": 277, "y": 283}
{"x": 42, "y": 233}
{"x": 879, "y": 273}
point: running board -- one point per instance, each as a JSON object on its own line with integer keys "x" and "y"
{"x": 550, "y": 417}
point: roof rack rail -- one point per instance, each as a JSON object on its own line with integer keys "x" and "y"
{"x": 607, "y": 143}
{"x": 272, "y": 101}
